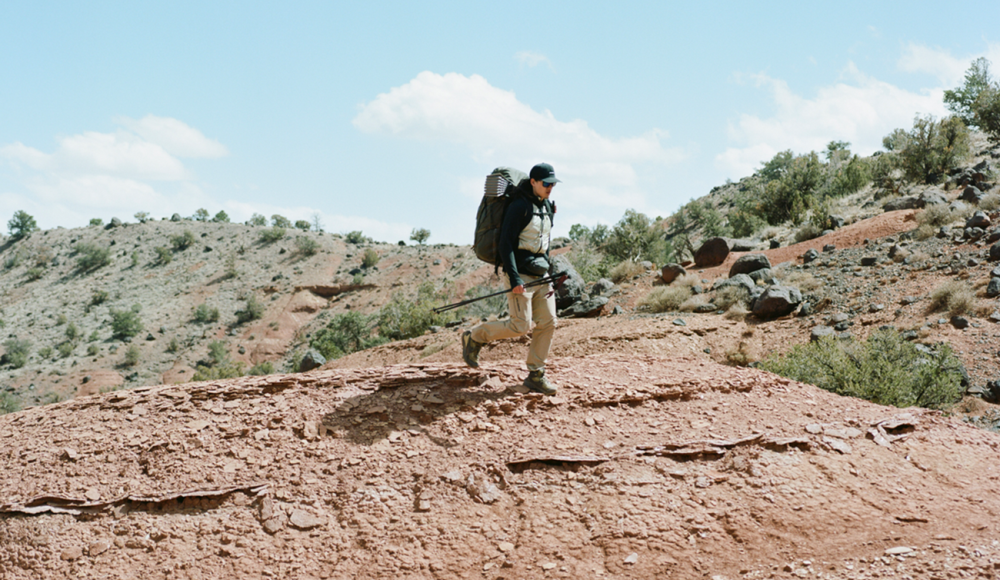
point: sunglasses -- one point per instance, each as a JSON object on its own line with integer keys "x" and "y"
{"x": 548, "y": 185}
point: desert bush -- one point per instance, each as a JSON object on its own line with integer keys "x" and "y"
{"x": 141, "y": 216}
{"x": 200, "y": 215}
{"x": 306, "y": 245}
{"x": 962, "y": 100}
{"x": 808, "y": 231}
{"x": 356, "y": 237}
{"x": 163, "y": 255}
{"x": 403, "y": 318}
{"x": 280, "y": 221}
{"x": 72, "y": 331}
{"x": 990, "y": 202}
{"x": 227, "y": 370}
{"x": 98, "y": 297}
{"x": 665, "y": 298}
{"x": 96, "y": 222}
{"x": 45, "y": 352}
{"x": 205, "y": 314}
{"x": 420, "y": 235}
{"x": 885, "y": 369}
{"x": 218, "y": 352}
{"x": 935, "y": 216}
{"x": 303, "y": 225}
{"x": 16, "y": 352}
{"x": 804, "y": 281}
{"x": 91, "y": 257}
{"x": 132, "y": 356}
{"x": 257, "y": 220}
{"x": 253, "y": 310}
{"x": 42, "y": 257}
{"x": 93, "y": 336}
{"x": 173, "y": 346}
{"x": 92, "y": 350}
{"x": 14, "y": 260}
{"x": 221, "y": 218}
{"x": 625, "y": 270}
{"x": 590, "y": 263}
{"x": 987, "y": 110}
{"x": 932, "y": 148}
{"x": 346, "y": 333}
{"x": 726, "y": 297}
{"x": 125, "y": 323}
{"x": 370, "y": 258}
{"x": 358, "y": 279}
{"x": 736, "y": 312}
{"x": 633, "y": 238}
{"x": 230, "y": 264}
{"x": 34, "y": 274}
{"x": 9, "y": 403}
{"x": 788, "y": 197}
{"x": 65, "y": 348}
{"x": 21, "y": 225}
{"x": 183, "y": 240}
{"x": 741, "y": 355}
{"x": 272, "y": 235}
{"x": 954, "y": 296}
{"x": 261, "y": 368}
{"x": 692, "y": 303}
{"x": 493, "y": 305}
{"x": 924, "y": 232}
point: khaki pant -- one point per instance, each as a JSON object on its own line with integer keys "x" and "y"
{"x": 532, "y": 305}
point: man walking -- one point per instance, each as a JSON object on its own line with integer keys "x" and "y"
{"x": 524, "y": 249}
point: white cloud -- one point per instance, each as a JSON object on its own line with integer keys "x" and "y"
{"x": 860, "y": 110}
{"x": 175, "y": 137}
{"x": 532, "y": 59}
{"x": 497, "y": 129}
{"x": 919, "y": 58}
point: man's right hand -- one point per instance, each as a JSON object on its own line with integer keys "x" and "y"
{"x": 519, "y": 289}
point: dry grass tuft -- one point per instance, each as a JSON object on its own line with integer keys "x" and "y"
{"x": 693, "y": 302}
{"x": 936, "y": 216}
{"x": 804, "y": 281}
{"x": 666, "y": 298}
{"x": 990, "y": 202}
{"x": 954, "y": 296}
{"x": 924, "y": 232}
{"x": 731, "y": 295}
{"x": 624, "y": 271}
{"x": 737, "y": 312}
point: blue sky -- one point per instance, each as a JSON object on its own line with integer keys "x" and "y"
{"x": 386, "y": 116}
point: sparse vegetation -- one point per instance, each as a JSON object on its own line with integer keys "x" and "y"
{"x": 16, "y": 352}
{"x": 96, "y": 222}
{"x": 885, "y": 369}
{"x": 271, "y": 235}
{"x": 280, "y": 221}
{"x": 404, "y": 318}
{"x": 205, "y": 314}
{"x": 420, "y": 235}
{"x": 303, "y": 225}
{"x": 34, "y": 274}
{"x": 9, "y": 403}
{"x": 262, "y": 368}
{"x": 21, "y": 225}
{"x": 625, "y": 270}
{"x": 125, "y": 323}
{"x": 257, "y": 220}
{"x": 163, "y": 255}
{"x": 253, "y": 310}
{"x": 221, "y": 218}
{"x": 356, "y": 237}
{"x": 665, "y": 298}
{"x": 90, "y": 257}
{"x": 346, "y": 333}
{"x": 92, "y": 350}
{"x": 486, "y": 307}
{"x": 729, "y": 296}
{"x": 132, "y": 356}
{"x": 200, "y": 215}
{"x": 370, "y": 258}
{"x": 955, "y": 297}
{"x": 182, "y": 241}
{"x": 218, "y": 366}
{"x": 306, "y": 245}
{"x": 173, "y": 346}
{"x": 141, "y": 216}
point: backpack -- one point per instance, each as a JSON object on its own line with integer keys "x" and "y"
{"x": 489, "y": 219}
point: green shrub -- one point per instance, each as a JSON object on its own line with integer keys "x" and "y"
{"x": 346, "y": 333}
{"x": 163, "y": 255}
{"x": 590, "y": 263}
{"x": 303, "y": 225}
{"x": 370, "y": 258}
{"x": 142, "y": 216}
{"x": 132, "y": 356}
{"x": 125, "y": 323}
{"x": 257, "y": 220}
{"x": 280, "y": 221}
{"x": 9, "y": 403}
{"x": 935, "y": 216}
{"x": 92, "y": 350}
{"x": 45, "y": 352}
{"x": 218, "y": 353}
{"x": 21, "y": 225}
{"x": 16, "y": 352}
{"x": 228, "y": 370}
{"x": 933, "y": 148}
{"x": 135, "y": 259}
{"x": 43, "y": 256}
{"x": 204, "y": 314}
{"x": 987, "y": 109}
{"x": 93, "y": 336}
{"x": 358, "y": 279}
{"x": 789, "y": 197}
{"x": 262, "y": 368}
{"x": 356, "y": 237}
{"x": 34, "y": 274}
{"x": 885, "y": 369}
{"x": 231, "y": 270}
{"x": 91, "y": 257}
{"x": 306, "y": 245}
{"x": 962, "y": 101}
{"x": 182, "y": 241}
{"x": 65, "y": 348}
{"x": 253, "y": 310}
{"x": 954, "y": 296}
{"x": 72, "y": 332}
{"x": 272, "y": 235}
{"x": 633, "y": 238}
{"x": 403, "y": 318}
{"x": 173, "y": 346}
{"x": 665, "y": 298}
{"x": 96, "y": 222}
{"x": 98, "y": 297}
{"x": 14, "y": 260}
{"x": 420, "y": 235}
{"x": 221, "y": 218}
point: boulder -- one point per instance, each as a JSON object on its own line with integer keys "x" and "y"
{"x": 905, "y": 202}
{"x": 809, "y": 256}
{"x": 741, "y": 245}
{"x": 749, "y": 263}
{"x": 712, "y": 253}
{"x": 312, "y": 360}
{"x": 972, "y": 194}
{"x": 775, "y": 244}
{"x": 114, "y": 223}
{"x": 836, "y": 221}
{"x": 739, "y": 280}
{"x": 176, "y": 217}
{"x": 933, "y": 196}
{"x": 829, "y": 248}
{"x": 671, "y": 272}
{"x": 995, "y": 252}
{"x": 585, "y": 308}
{"x": 993, "y": 236}
{"x": 764, "y": 274}
{"x": 869, "y": 261}
{"x": 776, "y": 301}
{"x": 993, "y": 288}
{"x": 958, "y": 207}
{"x": 978, "y": 220}
{"x": 602, "y": 286}
{"x": 573, "y": 288}
{"x": 819, "y": 332}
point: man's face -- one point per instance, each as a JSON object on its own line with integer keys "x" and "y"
{"x": 541, "y": 190}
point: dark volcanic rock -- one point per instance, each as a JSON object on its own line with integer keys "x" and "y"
{"x": 906, "y": 202}
{"x": 809, "y": 256}
{"x": 749, "y": 263}
{"x": 776, "y": 301}
{"x": 312, "y": 360}
{"x": 671, "y": 272}
{"x": 993, "y": 288}
{"x": 995, "y": 252}
{"x": 712, "y": 253}
{"x": 573, "y": 288}
{"x": 585, "y": 309}
{"x": 739, "y": 280}
{"x": 978, "y": 220}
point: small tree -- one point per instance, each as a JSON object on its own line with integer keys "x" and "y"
{"x": 317, "y": 222}
{"x": 257, "y": 220}
{"x": 163, "y": 255}
{"x": 182, "y": 241}
{"x": 933, "y": 147}
{"x": 280, "y": 221}
{"x": 21, "y": 225}
{"x": 420, "y": 235}
{"x": 303, "y": 225}
{"x": 96, "y": 222}
{"x": 254, "y": 310}
{"x": 125, "y": 323}
{"x": 370, "y": 258}
{"x": 962, "y": 100}
{"x": 221, "y": 217}
{"x": 201, "y": 215}
{"x": 272, "y": 235}
{"x": 356, "y": 237}
{"x": 91, "y": 257}
{"x": 142, "y": 216}
{"x": 632, "y": 238}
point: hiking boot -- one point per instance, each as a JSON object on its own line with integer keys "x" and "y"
{"x": 537, "y": 382}
{"x": 470, "y": 349}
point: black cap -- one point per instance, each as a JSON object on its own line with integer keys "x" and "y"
{"x": 543, "y": 172}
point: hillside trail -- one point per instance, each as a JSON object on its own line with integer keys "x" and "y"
{"x": 643, "y": 466}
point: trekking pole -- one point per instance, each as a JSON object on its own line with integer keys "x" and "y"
{"x": 557, "y": 278}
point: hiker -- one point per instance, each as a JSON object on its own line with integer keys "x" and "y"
{"x": 524, "y": 250}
